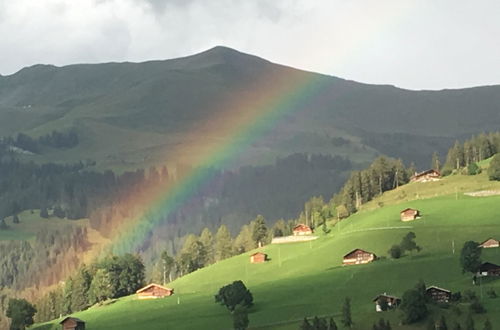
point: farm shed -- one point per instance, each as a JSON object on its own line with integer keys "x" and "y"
{"x": 153, "y": 291}
{"x": 72, "y": 323}
{"x": 489, "y": 269}
{"x": 358, "y": 256}
{"x": 438, "y": 294}
{"x": 490, "y": 243}
{"x": 302, "y": 229}
{"x": 409, "y": 214}
{"x": 258, "y": 257}
{"x": 426, "y": 176}
{"x": 392, "y": 301}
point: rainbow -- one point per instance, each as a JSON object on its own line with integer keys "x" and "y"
{"x": 242, "y": 120}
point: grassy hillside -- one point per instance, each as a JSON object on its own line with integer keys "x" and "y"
{"x": 307, "y": 279}
{"x": 131, "y": 114}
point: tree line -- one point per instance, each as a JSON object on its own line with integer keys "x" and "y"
{"x": 55, "y": 139}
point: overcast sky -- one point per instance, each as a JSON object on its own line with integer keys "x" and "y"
{"x": 416, "y": 44}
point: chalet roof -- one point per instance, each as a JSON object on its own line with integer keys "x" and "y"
{"x": 256, "y": 253}
{"x": 426, "y": 172}
{"x": 153, "y": 284}
{"x": 485, "y": 266}
{"x": 409, "y": 209}
{"x": 489, "y": 239}
{"x": 357, "y": 250}
{"x": 77, "y": 320}
{"x": 386, "y": 296}
{"x": 300, "y": 226}
{"x": 437, "y": 288}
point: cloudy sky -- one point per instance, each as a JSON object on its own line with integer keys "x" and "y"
{"x": 418, "y": 44}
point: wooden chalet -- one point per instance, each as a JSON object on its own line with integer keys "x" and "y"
{"x": 409, "y": 214}
{"x": 153, "y": 291}
{"x": 358, "y": 256}
{"x": 72, "y": 323}
{"x": 426, "y": 176}
{"x": 392, "y": 301}
{"x": 258, "y": 257}
{"x": 490, "y": 243}
{"x": 489, "y": 269}
{"x": 438, "y": 294}
{"x": 301, "y": 229}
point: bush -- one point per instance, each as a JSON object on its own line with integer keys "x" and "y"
{"x": 456, "y": 296}
{"x": 473, "y": 169}
{"x": 395, "y": 251}
{"x": 494, "y": 170}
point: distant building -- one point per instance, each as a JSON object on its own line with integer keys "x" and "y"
{"x": 409, "y": 214}
{"x": 490, "y": 243}
{"x": 438, "y": 294}
{"x": 426, "y": 176}
{"x": 489, "y": 269}
{"x": 153, "y": 291}
{"x": 72, "y": 323}
{"x": 258, "y": 257}
{"x": 391, "y": 301}
{"x": 302, "y": 229}
{"x": 358, "y": 256}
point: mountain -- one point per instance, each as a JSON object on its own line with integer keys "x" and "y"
{"x": 308, "y": 279}
{"x": 130, "y": 115}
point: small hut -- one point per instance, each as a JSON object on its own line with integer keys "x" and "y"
{"x": 490, "y": 243}
{"x": 426, "y": 176}
{"x": 153, "y": 291}
{"x": 258, "y": 257}
{"x": 489, "y": 269}
{"x": 391, "y": 301}
{"x": 409, "y": 214}
{"x": 438, "y": 294}
{"x": 301, "y": 229}
{"x": 72, "y": 323}
{"x": 358, "y": 256}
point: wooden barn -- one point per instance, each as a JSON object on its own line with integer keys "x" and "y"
{"x": 72, "y": 323}
{"x": 490, "y": 243}
{"x": 489, "y": 269}
{"x": 302, "y": 229}
{"x": 438, "y": 294}
{"x": 409, "y": 214}
{"x": 426, "y": 176}
{"x": 358, "y": 256}
{"x": 153, "y": 291}
{"x": 392, "y": 301}
{"x": 258, "y": 257}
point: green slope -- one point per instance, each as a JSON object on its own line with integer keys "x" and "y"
{"x": 161, "y": 103}
{"x": 307, "y": 279}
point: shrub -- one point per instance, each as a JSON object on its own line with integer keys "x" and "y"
{"x": 395, "y": 251}
{"x": 234, "y": 294}
{"x": 473, "y": 169}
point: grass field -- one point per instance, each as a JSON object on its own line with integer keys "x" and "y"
{"x": 307, "y": 279}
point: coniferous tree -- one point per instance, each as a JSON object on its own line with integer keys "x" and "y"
{"x": 101, "y": 287}
{"x": 346, "y": 313}
{"x": 223, "y": 244}
{"x": 168, "y": 264}
{"x": 259, "y": 230}
{"x": 207, "y": 239}
{"x": 332, "y": 325}
{"x": 470, "y": 257}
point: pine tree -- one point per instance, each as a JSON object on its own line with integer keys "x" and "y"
{"x": 435, "y": 163}
{"x": 332, "y": 325}
{"x": 223, "y": 244}
{"x": 259, "y": 230}
{"x": 346, "y": 313}
{"x": 207, "y": 239}
{"x": 100, "y": 287}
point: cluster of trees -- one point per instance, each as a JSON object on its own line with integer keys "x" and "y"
{"x": 55, "y": 139}
{"x": 478, "y": 148}
{"x": 42, "y": 261}
{"x": 111, "y": 277}
{"x": 362, "y": 186}
{"x": 321, "y": 323}
{"x": 207, "y": 248}
{"x": 21, "y": 313}
{"x": 407, "y": 244}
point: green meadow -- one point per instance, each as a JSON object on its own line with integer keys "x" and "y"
{"x": 308, "y": 279}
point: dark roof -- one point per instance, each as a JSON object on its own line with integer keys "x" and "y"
{"x": 486, "y": 266}
{"x": 386, "y": 296}
{"x": 357, "y": 250}
{"x": 77, "y": 320}
{"x": 437, "y": 288}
